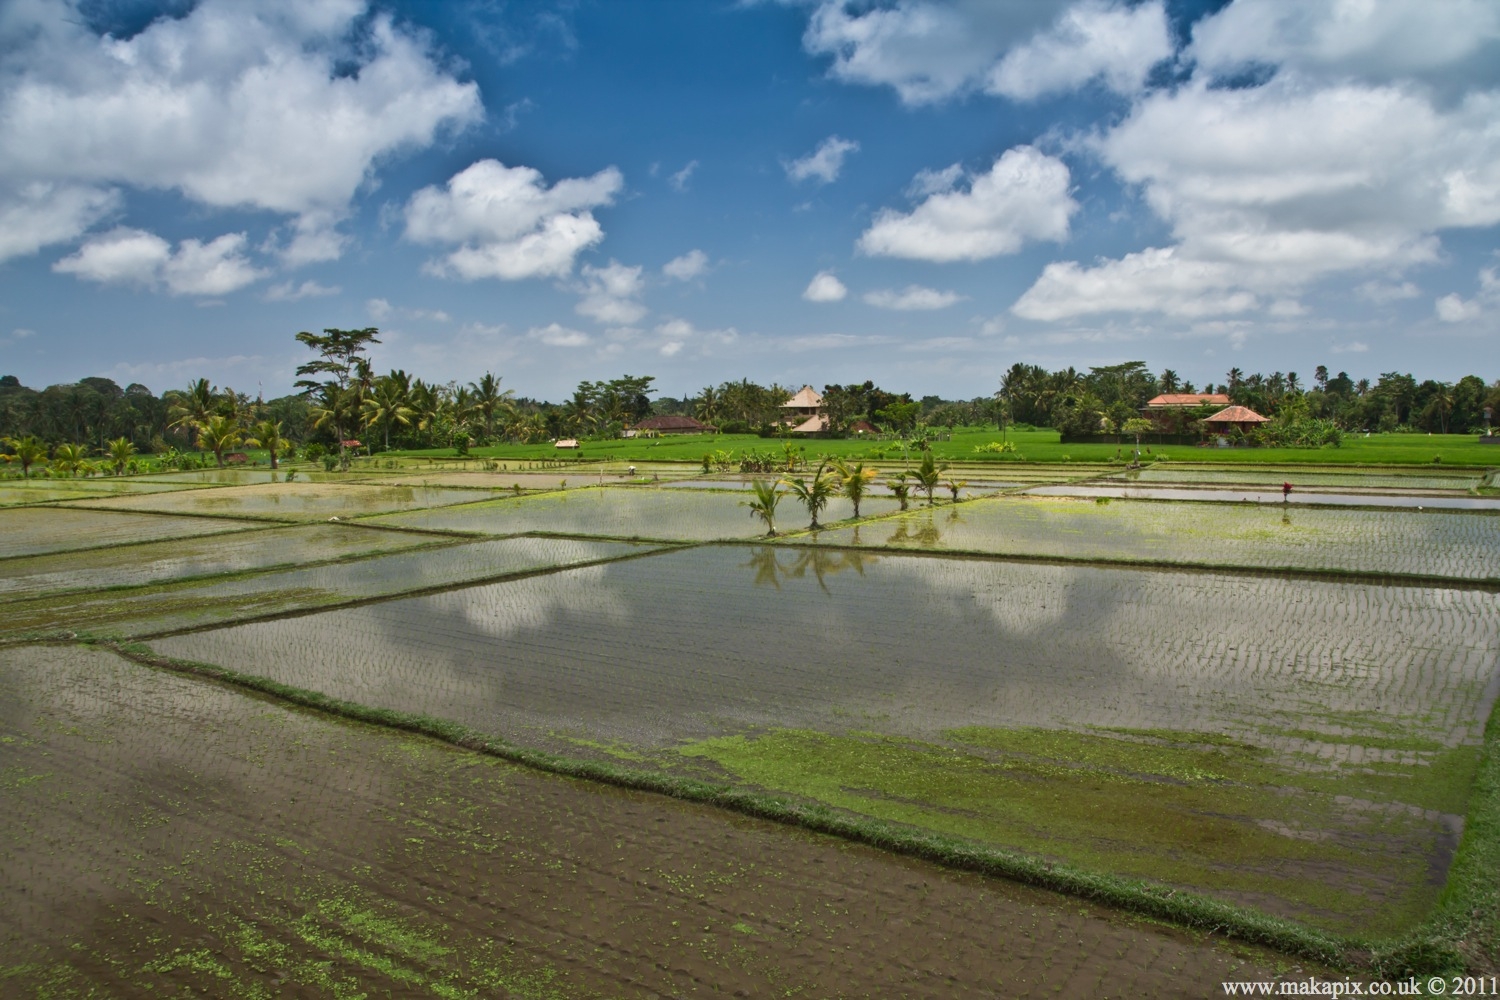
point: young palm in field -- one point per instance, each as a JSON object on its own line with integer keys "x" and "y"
{"x": 763, "y": 504}
{"x": 121, "y": 451}
{"x": 814, "y": 493}
{"x": 267, "y": 435}
{"x": 69, "y": 458}
{"x": 218, "y": 435}
{"x": 854, "y": 481}
{"x": 29, "y": 450}
{"x": 929, "y": 474}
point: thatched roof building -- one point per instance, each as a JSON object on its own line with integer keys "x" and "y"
{"x": 674, "y": 424}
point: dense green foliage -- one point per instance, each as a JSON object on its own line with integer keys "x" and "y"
{"x": 93, "y": 425}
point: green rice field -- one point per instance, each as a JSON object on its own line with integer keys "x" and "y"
{"x": 1272, "y": 722}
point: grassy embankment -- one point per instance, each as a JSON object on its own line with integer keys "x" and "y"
{"x": 1033, "y": 445}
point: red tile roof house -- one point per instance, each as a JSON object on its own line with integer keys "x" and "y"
{"x": 1172, "y": 412}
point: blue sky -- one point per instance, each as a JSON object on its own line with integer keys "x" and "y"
{"x": 922, "y": 192}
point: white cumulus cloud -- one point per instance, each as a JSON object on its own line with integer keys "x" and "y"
{"x": 912, "y": 297}
{"x": 134, "y": 256}
{"x": 1377, "y": 42}
{"x": 825, "y": 287}
{"x": 1156, "y": 279}
{"x": 1270, "y": 188}
{"x": 233, "y": 105}
{"x": 824, "y": 163}
{"x": 927, "y": 51}
{"x": 508, "y": 223}
{"x": 687, "y": 267}
{"x": 1095, "y": 39}
{"x": 557, "y": 335}
{"x": 1024, "y": 196}
{"x": 611, "y": 294}
{"x": 291, "y": 291}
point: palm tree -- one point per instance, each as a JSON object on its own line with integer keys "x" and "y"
{"x": 190, "y": 409}
{"x": 386, "y": 405}
{"x": 267, "y": 435}
{"x": 929, "y": 474}
{"x": 69, "y": 457}
{"x": 489, "y": 400}
{"x": 815, "y": 493}
{"x": 763, "y": 505}
{"x": 1169, "y": 381}
{"x": 900, "y": 488}
{"x": 853, "y": 481}
{"x": 219, "y": 434}
{"x": 706, "y": 406}
{"x": 29, "y": 450}
{"x": 121, "y": 451}
{"x": 954, "y": 487}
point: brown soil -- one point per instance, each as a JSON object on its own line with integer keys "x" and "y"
{"x": 164, "y": 835}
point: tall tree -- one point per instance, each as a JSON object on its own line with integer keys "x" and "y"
{"x": 488, "y": 401}
{"x": 341, "y": 356}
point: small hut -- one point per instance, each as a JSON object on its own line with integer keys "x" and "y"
{"x": 1242, "y": 417}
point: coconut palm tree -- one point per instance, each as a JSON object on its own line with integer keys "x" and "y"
{"x": 386, "y": 405}
{"x": 929, "y": 474}
{"x": 267, "y": 435}
{"x": 219, "y": 434}
{"x": 121, "y": 451}
{"x": 854, "y": 481}
{"x": 815, "y": 493}
{"x": 190, "y": 409}
{"x": 489, "y": 400}
{"x": 29, "y": 450}
{"x": 69, "y": 458}
{"x": 901, "y": 488}
{"x": 763, "y": 504}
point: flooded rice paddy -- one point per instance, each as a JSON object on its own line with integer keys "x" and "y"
{"x": 1327, "y": 496}
{"x": 929, "y": 687}
{"x": 623, "y": 512}
{"x": 1459, "y": 546}
{"x": 28, "y": 531}
{"x": 187, "y": 558}
{"x": 295, "y": 501}
{"x": 1303, "y": 745}
{"x": 126, "y": 612}
{"x": 165, "y": 836}
{"x": 1349, "y": 479}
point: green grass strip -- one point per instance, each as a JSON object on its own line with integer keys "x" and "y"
{"x": 1139, "y": 896}
{"x": 1463, "y": 931}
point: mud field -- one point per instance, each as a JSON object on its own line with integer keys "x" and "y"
{"x": 170, "y": 836}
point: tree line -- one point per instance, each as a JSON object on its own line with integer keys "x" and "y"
{"x": 1105, "y": 398}
{"x": 343, "y": 404}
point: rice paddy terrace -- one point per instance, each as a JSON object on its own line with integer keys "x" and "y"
{"x": 326, "y": 736}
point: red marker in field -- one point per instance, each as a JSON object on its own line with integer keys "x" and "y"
{"x": 1286, "y": 492}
